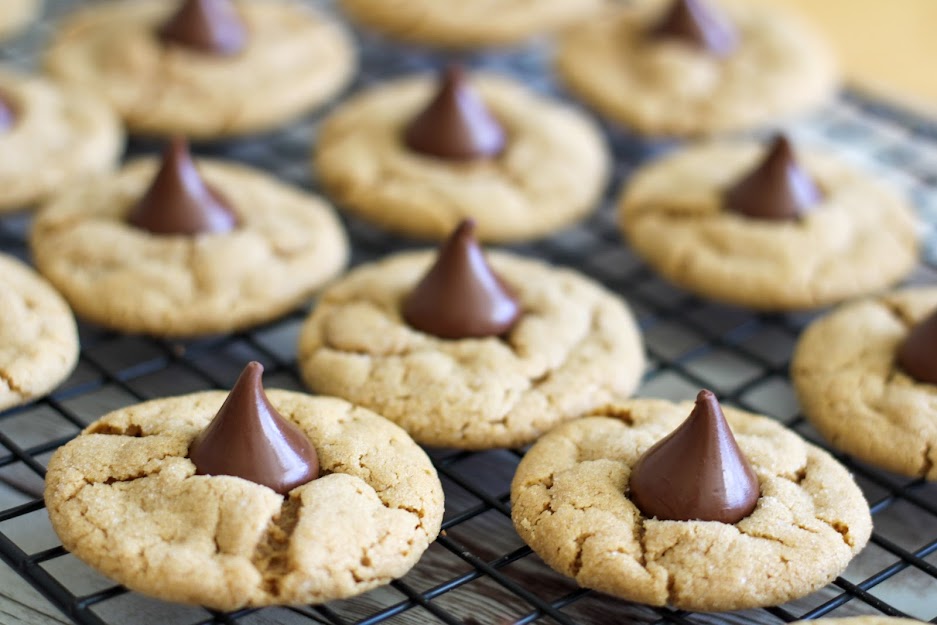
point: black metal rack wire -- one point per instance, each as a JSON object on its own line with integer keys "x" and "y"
{"x": 479, "y": 570}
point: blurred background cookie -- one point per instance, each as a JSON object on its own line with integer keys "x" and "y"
{"x": 466, "y": 23}
{"x": 687, "y": 68}
{"x": 417, "y": 156}
{"x": 203, "y": 68}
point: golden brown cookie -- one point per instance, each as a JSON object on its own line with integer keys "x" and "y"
{"x": 294, "y": 61}
{"x": 468, "y": 23}
{"x": 663, "y": 87}
{"x": 860, "y": 238}
{"x": 16, "y": 14}
{"x": 854, "y": 393}
{"x": 574, "y": 344}
{"x": 550, "y": 174}
{"x": 125, "y": 498}
{"x": 57, "y": 134}
{"x": 570, "y": 503}
{"x": 38, "y": 338}
{"x": 288, "y": 243}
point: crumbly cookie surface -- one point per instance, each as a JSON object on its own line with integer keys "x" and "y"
{"x": 288, "y": 244}
{"x": 551, "y": 173}
{"x": 38, "y": 338}
{"x": 61, "y": 134}
{"x": 295, "y": 60}
{"x": 16, "y": 14}
{"x": 468, "y": 23}
{"x": 780, "y": 69}
{"x": 575, "y": 345}
{"x": 861, "y": 238}
{"x": 569, "y": 502}
{"x": 124, "y": 498}
{"x": 855, "y": 394}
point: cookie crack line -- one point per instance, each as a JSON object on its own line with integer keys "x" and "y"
{"x": 271, "y": 555}
{"x": 11, "y": 383}
{"x": 928, "y": 465}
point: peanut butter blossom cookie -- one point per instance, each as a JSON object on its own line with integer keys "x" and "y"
{"x": 866, "y": 375}
{"x": 174, "y": 249}
{"x": 16, "y": 14}
{"x": 416, "y": 157}
{"x": 245, "y": 500}
{"x": 50, "y": 135}
{"x": 715, "y": 511}
{"x": 695, "y": 67}
{"x": 467, "y": 23}
{"x": 38, "y": 338}
{"x": 203, "y": 68}
{"x": 470, "y": 351}
{"x": 759, "y": 227}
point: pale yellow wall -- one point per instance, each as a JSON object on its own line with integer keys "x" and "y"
{"x": 886, "y": 45}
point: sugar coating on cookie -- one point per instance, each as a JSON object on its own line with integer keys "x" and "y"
{"x": 295, "y": 60}
{"x": 550, "y": 174}
{"x": 288, "y": 243}
{"x": 778, "y": 69}
{"x": 468, "y": 23}
{"x": 16, "y": 14}
{"x": 860, "y": 238}
{"x": 569, "y": 502}
{"x": 854, "y": 393}
{"x": 58, "y": 134}
{"x": 574, "y": 346}
{"x": 38, "y": 337}
{"x": 124, "y": 497}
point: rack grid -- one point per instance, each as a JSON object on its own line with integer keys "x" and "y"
{"x": 478, "y": 571}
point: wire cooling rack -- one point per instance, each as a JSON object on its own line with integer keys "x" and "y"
{"x": 479, "y": 571}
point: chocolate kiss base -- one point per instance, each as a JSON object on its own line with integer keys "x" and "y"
{"x": 917, "y": 354}
{"x": 179, "y": 202}
{"x": 460, "y": 296}
{"x": 697, "y": 472}
{"x": 778, "y": 188}
{"x": 7, "y": 113}
{"x": 249, "y": 439}
{"x": 210, "y": 26}
{"x": 698, "y": 24}
{"x": 456, "y": 124}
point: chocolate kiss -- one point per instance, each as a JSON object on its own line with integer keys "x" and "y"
{"x": 7, "y": 113}
{"x": 456, "y": 125}
{"x": 697, "y": 472}
{"x": 250, "y": 440}
{"x": 778, "y": 188}
{"x": 211, "y": 26}
{"x": 460, "y": 296}
{"x": 917, "y": 354}
{"x": 697, "y": 23}
{"x": 178, "y": 200}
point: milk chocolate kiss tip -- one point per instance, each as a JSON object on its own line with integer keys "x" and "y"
{"x": 456, "y": 125}
{"x": 777, "y": 188}
{"x": 210, "y": 26}
{"x": 698, "y": 24}
{"x": 697, "y": 472}
{"x": 178, "y": 201}
{"x": 460, "y": 296}
{"x": 249, "y": 439}
{"x": 917, "y": 354}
